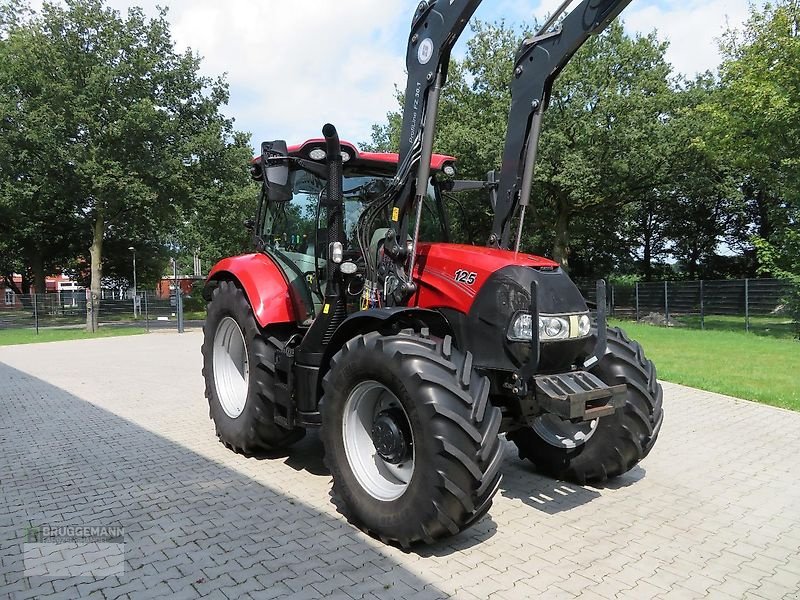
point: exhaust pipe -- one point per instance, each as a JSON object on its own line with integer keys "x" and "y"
{"x": 333, "y": 147}
{"x": 334, "y": 197}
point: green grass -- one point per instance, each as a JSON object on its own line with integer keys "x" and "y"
{"x": 9, "y": 337}
{"x": 735, "y": 363}
{"x": 770, "y": 326}
{"x": 194, "y": 315}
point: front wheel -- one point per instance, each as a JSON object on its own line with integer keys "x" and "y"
{"x": 410, "y": 437}
{"x": 607, "y": 447}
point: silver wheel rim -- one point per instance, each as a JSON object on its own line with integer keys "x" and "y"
{"x": 563, "y": 434}
{"x": 231, "y": 367}
{"x": 379, "y": 478}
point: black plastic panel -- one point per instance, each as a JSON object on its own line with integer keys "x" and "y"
{"x": 483, "y": 330}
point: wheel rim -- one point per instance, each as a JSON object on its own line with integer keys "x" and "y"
{"x": 563, "y": 434}
{"x": 231, "y": 367}
{"x": 372, "y": 409}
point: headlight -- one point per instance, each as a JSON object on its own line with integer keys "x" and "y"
{"x": 521, "y": 329}
{"x": 551, "y": 328}
{"x": 317, "y": 154}
{"x": 584, "y": 325}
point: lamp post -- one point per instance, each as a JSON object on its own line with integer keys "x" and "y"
{"x": 132, "y": 249}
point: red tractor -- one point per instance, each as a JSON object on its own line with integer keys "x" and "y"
{"x": 414, "y": 357}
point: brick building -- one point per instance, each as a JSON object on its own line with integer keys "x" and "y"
{"x": 68, "y": 291}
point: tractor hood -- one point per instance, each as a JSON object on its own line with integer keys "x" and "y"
{"x": 450, "y": 275}
{"x": 491, "y": 259}
{"x": 479, "y": 290}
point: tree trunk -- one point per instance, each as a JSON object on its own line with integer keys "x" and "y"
{"x": 694, "y": 258}
{"x": 96, "y": 253}
{"x": 22, "y": 291}
{"x": 39, "y": 276}
{"x": 765, "y": 227}
{"x": 25, "y": 284}
{"x": 8, "y": 280}
{"x": 647, "y": 262}
{"x": 561, "y": 243}
{"x": 647, "y": 254}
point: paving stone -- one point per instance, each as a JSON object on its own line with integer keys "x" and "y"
{"x": 711, "y": 512}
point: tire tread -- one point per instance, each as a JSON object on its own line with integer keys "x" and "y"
{"x": 457, "y": 404}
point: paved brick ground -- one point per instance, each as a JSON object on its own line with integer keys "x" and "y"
{"x": 714, "y": 511}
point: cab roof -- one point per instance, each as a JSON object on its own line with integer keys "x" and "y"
{"x": 367, "y": 159}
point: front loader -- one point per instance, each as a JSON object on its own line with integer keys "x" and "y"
{"x": 413, "y": 355}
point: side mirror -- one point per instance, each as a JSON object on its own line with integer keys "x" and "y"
{"x": 275, "y": 166}
{"x": 249, "y": 224}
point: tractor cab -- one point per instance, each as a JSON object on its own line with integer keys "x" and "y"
{"x": 290, "y": 224}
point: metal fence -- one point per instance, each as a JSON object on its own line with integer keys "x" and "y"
{"x": 750, "y": 304}
{"x": 67, "y": 310}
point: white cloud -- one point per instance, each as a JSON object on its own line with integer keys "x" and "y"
{"x": 292, "y": 66}
{"x": 295, "y": 66}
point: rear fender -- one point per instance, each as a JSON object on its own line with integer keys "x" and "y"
{"x": 263, "y": 283}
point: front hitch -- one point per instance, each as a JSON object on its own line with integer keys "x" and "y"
{"x": 574, "y": 395}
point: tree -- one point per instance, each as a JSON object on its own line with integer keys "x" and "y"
{"x": 605, "y": 143}
{"x": 121, "y": 121}
{"x": 37, "y": 221}
{"x": 213, "y": 222}
{"x": 699, "y": 207}
{"x": 757, "y": 118}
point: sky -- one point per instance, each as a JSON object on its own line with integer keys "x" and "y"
{"x": 293, "y": 66}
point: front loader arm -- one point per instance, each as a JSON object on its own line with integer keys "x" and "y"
{"x": 538, "y": 62}
{"x": 436, "y": 27}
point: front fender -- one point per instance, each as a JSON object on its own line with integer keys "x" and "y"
{"x": 264, "y": 285}
{"x": 382, "y": 319}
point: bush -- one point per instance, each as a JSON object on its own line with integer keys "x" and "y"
{"x": 195, "y": 301}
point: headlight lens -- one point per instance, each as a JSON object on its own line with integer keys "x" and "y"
{"x": 521, "y": 328}
{"x": 555, "y": 328}
{"x": 584, "y": 325}
{"x": 317, "y": 154}
{"x": 550, "y": 328}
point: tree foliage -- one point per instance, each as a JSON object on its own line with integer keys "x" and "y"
{"x": 640, "y": 171}
{"x": 115, "y": 136}
{"x": 756, "y": 117}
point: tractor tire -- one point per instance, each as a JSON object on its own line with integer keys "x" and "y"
{"x": 450, "y": 465}
{"x": 619, "y": 441}
{"x": 239, "y": 370}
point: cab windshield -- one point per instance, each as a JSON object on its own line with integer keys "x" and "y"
{"x": 294, "y": 234}
{"x": 291, "y": 226}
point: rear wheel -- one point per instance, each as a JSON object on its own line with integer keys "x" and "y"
{"x": 410, "y": 437}
{"x": 609, "y": 446}
{"x": 239, "y": 371}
